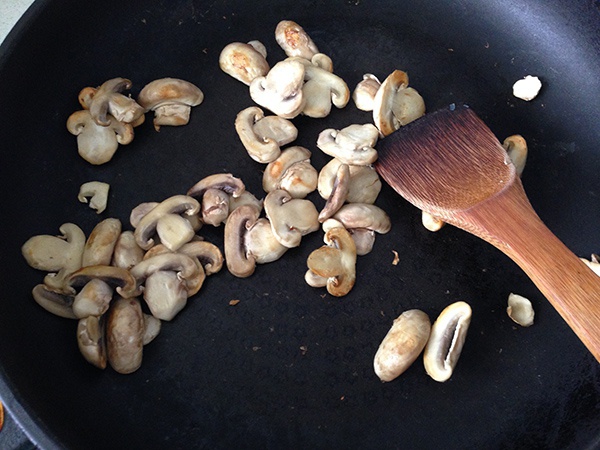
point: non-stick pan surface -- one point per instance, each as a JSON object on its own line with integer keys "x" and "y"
{"x": 289, "y": 366}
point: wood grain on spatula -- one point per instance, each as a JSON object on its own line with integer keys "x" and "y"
{"x": 451, "y": 165}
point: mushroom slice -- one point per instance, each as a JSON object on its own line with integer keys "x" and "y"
{"x": 239, "y": 262}
{"x": 294, "y": 41}
{"x": 56, "y": 303}
{"x": 97, "y": 144}
{"x": 91, "y": 340}
{"x": 215, "y": 207}
{"x": 147, "y": 226}
{"x": 351, "y": 145}
{"x": 314, "y": 280}
{"x": 117, "y": 277}
{"x": 446, "y": 341}
{"x": 431, "y": 222}
{"x": 322, "y": 61}
{"x": 365, "y": 91}
{"x": 127, "y": 253}
{"x": 280, "y": 90}
{"x": 396, "y": 104}
{"x": 261, "y": 244}
{"x": 101, "y": 243}
{"x": 402, "y": 345}
{"x": 174, "y": 231}
{"x": 152, "y": 327}
{"x": 97, "y": 191}
{"x": 60, "y": 255}
{"x": 243, "y": 62}
{"x": 520, "y": 310}
{"x": 516, "y": 148}
{"x": 171, "y": 99}
{"x": 364, "y": 239}
{"x": 291, "y": 218}
{"x": 245, "y": 198}
{"x": 335, "y": 261}
{"x": 262, "y": 136}
{"x": 363, "y": 187}
{"x": 225, "y": 182}
{"x": 291, "y": 171}
{"x": 125, "y": 335}
{"x": 365, "y": 216}
{"x": 184, "y": 266}
{"x": 208, "y": 254}
{"x": 165, "y": 294}
{"x": 338, "y": 195}
{"x": 93, "y": 299}
{"x": 108, "y": 99}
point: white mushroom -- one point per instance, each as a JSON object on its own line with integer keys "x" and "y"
{"x": 243, "y": 62}
{"x": 291, "y": 171}
{"x": 91, "y": 340}
{"x": 363, "y": 220}
{"x": 364, "y": 183}
{"x": 171, "y": 99}
{"x": 364, "y": 92}
{"x": 97, "y": 191}
{"x": 339, "y": 193}
{"x": 127, "y": 253}
{"x": 430, "y": 222}
{"x": 59, "y": 304}
{"x": 294, "y": 41}
{"x": 261, "y": 244}
{"x": 262, "y": 136}
{"x": 520, "y": 310}
{"x": 93, "y": 299}
{"x": 118, "y": 278}
{"x": 97, "y": 144}
{"x": 396, "y": 104}
{"x": 107, "y": 101}
{"x": 351, "y": 145}
{"x": 516, "y": 148}
{"x": 125, "y": 335}
{"x": 246, "y": 198}
{"x": 215, "y": 207}
{"x": 100, "y": 244}
{"x": 280, "y": 90}
{"x": 239, "y": 262}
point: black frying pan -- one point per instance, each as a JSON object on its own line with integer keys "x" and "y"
{"x": 289, "y": 367}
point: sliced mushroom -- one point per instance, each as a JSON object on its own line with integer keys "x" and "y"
{"x": 91, "y": 340}
{"x": 108, "y": 99}
{"x": 174, "y": 231}
{"x": 245, "y": 198}
{"x": 335, "y": 261}
{"x": 431, "y": 222}
{"x": 171, "y": 99}
{"x": 351, "y": 145}
{"x": 243, "y": 62}
{"x": 402, "y": 345}
{"x": 363, "y": 187}
{"x": 516, "y": 148}
{"x": 262, "y": 136}
{"x": 448, "y": 334}
{"x": 127, "y": 253}
{"x": 147, "y": 226}
{"x": 93, "y": 299}
{"x": 261, "y": 244}
{"x": 291, "y": 218}
{"x": 215, "y": 207}
{"x": 208, "y": 254}
{"x": 57, "y": 303}
{"x": 365, "y": 91}
{"x": 97, "y": 191}
{"x": 280, "y": 90}
{"x": 97, "y": 144}
{"x": 291, "y": 171}
{"x": 339, "y": 193}
{"x": 101, "y": 243}
{"x": 125, "y": 335}
{"x": 117, "y": 277}
{"x": 239, "y": 262}
{"x": 59, "y": 255}
{"x": 314, "y": 280}
{"x": 365, "y": 216}
{"x": 322, "y": 61}
{"x": 294, "y": 41}
{"x": 396, "y": 104}
{"x": 225, "y": 182}
{"x": 152, "y": 327}
{"x": 520, "y": 310}
{"x": 364, "y": 239}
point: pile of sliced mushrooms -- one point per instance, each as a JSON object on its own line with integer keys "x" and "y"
{"x": 121, "y": 284}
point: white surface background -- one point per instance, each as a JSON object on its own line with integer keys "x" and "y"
{"x": 10, "y": 12}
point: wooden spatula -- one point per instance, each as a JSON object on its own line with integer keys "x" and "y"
{"x": 450, "y": 164}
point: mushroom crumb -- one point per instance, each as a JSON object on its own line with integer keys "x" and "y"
{"x": 527, "y": 88}
{"x": 233, "y": 302}
{"x": 520, "y": 310}
{"x": 396, "y": 259}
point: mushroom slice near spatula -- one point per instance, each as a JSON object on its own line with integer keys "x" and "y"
{"x": 450, "y": 164}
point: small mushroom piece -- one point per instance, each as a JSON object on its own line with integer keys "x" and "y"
{"x": 402, "y": 345}
{"x": 215, "y": 207}
{"x": 91, "y": 340}
{"x": 520, "y": 310}
{"x": 56, "y": 303}
{"x": 101, "y": 243}
{"x": 225, "y": 182}
{"x": 97, "y": 192}
{"x": 239, "y": 262}
{"x": 294, "y": 41}
{"x": 117, "y": 277}
{"x": 261, "y": 244}
{"x": 127, "y": 253}
{"x": 448, "y": 334}
{"x": 262, "y": 136}
{"x": 291, "y": 218}
{"x": 93, "y": 299}
{"x": 243, "y": 62}
{"x": 364, "y": 92}
{"x": 108, "y": 99}
{"x": 125, "y": 335}
{"x": 396, "y": 104}
{"x": 60, "y": 255}
{"x": 430, "y": 222}
{"x": 97, "y": 144}
{"x": 338, "y": 195}
{"x": 147, "y": 226}
{"x": 291, "y": 171}
{"x": 171, "y": 99}
{"x": 280, "y": 90}
{"x": 363, "y": 187}
{"x": 351, "y": 145}
{"x": 335, "y": 261}
{"x": 516, "y": 148}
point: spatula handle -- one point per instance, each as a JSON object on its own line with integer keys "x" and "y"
{"x": 509, "y": 222}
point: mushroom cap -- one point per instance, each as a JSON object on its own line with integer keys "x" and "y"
{"x": 363, "y": 187}
{"x": 91, "y": 340}
{"x": 261, "y": 243}
{"x": 117, "y": 277}
{"x": 243, "y": 62}
{"x": 291, "y": 171}
{"x": 365, "y": 91}
{"x": 184, "y": 266}
{"x": 125, "y": 335}
{"x": 364, "y": 215}
{"x": 351, "y": 145}
{"x": 294, "y": 41}
{"x": 169, "y": 91}
{"x": 165, "y": 294}
{"x": 101, "y": 243}
{"x": 291, "y": 218}
{"x": 57, "y": 303}
{"x": 226, "y": 182}
{"x": 238, "y": 261}
{"x": 516, "y": 148}
{"x": 93, "y": 299}
{"x": 107, "y": 98}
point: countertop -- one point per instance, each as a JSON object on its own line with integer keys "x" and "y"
{"x": 11, "y": 435}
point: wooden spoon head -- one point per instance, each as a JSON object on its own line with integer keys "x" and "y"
{"x": 445, "y": 162}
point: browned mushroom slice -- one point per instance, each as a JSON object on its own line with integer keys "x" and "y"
{"x": 243, "y": 61}
{"x": 54, "y": 302}
{"x": 101, "y": 243}
{"x": 93, "y": 299}
{"x": 239, "y": 263}
{"x": 294, "y": 41}
{"x": 125, "y": 335}
{"x": 351, "y": 145}
{"x": 91, "y": 340}
{"x": 117, "y": 277}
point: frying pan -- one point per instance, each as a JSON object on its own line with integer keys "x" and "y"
{"x": 289, "y": 366}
